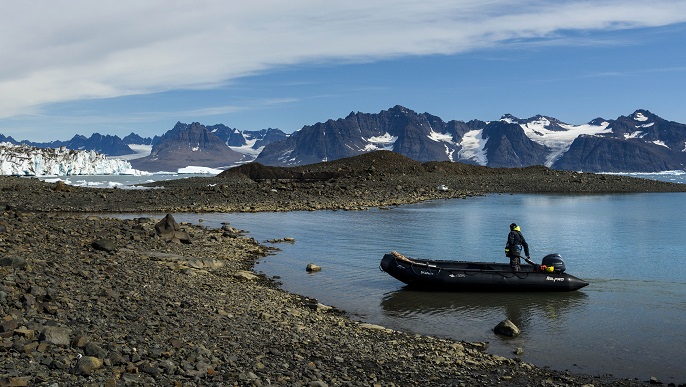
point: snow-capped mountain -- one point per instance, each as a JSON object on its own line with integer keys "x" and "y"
{"x": 194, "y": 144}
{"x": 187, "y": 145}
{"x": 249, "y": 142}
{"x": 641, "y": 142}
{"x": 25, "y": 160}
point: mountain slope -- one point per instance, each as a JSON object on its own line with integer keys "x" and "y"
{"x": 422, "y": 137}
{"x": 187, "y": 145}
{"x": 250, "y": 142}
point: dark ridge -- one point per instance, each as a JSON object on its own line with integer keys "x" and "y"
{"x": 379, "y": 162}
{"x": 256, "y": 171}
{"x": 372, "y": 163}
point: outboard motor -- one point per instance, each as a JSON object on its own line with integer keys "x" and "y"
{"x": 554, "y": 260}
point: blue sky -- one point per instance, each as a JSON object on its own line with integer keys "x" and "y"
{"x": 79, "y": 67}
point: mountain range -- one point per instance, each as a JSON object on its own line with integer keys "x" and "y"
{"x": 639, "y": 142}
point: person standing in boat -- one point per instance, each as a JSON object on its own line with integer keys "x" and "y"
{"x": 514, "y": 247}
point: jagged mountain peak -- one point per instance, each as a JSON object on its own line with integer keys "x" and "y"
{"x": 509, "y": 118}
{"x": 643, "y": 116}
{"x": 598, "y": 121}
{"x": 538, "y": 120}
{"x": 401, "y": 109}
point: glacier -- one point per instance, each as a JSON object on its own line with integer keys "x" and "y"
{"x": 25, "y": 160}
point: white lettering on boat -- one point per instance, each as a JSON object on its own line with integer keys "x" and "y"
{"x": 549, "y": 278}
{"x": 426, "y": 272}
{"x": 457, "y": 275}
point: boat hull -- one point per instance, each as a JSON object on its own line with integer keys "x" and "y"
{"x": 475, "y": 276}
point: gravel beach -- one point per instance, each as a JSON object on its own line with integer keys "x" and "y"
{"x": 90, "y": 300}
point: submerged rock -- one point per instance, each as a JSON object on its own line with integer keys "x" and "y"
{"x": 507, "y": 328}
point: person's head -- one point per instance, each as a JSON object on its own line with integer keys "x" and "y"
{"x": 514, "y": 227}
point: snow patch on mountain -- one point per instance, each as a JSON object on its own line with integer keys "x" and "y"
{"x": 636, "y": 134}
{"x": 449, "y": 152}
{"x": 383, "y": 142}
{"x": 438, "y": 137}
{"x": 473, "y": 147}
{"x": 559, "y": 141}
{"x": 638, "y": 116}
{"x": 248, "y": 149}
{"x": 24, "y": 160}
{"x": 141, "y": 150}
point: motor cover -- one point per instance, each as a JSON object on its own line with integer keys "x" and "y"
{"x": 555, "y": 261}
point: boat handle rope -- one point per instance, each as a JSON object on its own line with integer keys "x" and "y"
{"x": 520, "y": 275}
{"x": 438, "y": 269}
{"x": 515, "y": 274}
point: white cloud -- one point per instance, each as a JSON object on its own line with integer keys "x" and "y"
{"x": 55, "y": 51}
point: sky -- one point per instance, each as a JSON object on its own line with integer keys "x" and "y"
{"x": 72, "y": 67}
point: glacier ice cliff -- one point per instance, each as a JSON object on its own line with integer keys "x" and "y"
{"x": 24, "y": 160}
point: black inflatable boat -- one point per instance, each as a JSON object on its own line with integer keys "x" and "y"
{"x": 480, "y": 276}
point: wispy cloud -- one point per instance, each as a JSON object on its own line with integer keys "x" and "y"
{"x": 635, "y": 73}
{"x": 155, "y": 115}
{"x": 56, "y": 51}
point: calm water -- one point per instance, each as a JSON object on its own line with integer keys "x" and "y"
{"x": 628, "y": 322}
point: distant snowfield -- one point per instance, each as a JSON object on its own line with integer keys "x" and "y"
{"x": 141, "y": 151}
{"x": 383, "y": 142}
{"x": 473, "y": 147}
{"x": 559, "y": 141}
{"x": 248, "y": 149}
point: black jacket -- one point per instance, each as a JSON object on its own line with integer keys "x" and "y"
{"x": 516, "y": 238}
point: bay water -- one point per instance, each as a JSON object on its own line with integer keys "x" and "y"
{"x": 629, "y": 322}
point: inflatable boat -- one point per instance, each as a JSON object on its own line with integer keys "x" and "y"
{"x": 440, "y": 275}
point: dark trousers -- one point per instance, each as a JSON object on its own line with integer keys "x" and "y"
{"x": 514, "y": 262}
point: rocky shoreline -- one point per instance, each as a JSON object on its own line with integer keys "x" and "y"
{"x": 92, "y": 300}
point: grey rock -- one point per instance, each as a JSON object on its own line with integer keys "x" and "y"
{"x": 107, "y": 245}
{"x": 92, "y": 349}
{"x": 56, "y": 335}
{"x": 88, "y": 364}
{"x": 170, "y": 231}
{"x": 15, "y": 262}
{"x": 507, "y": 328}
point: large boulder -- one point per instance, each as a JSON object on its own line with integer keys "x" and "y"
{"x": 105, "y": 244}
{"x": 507, "y": 328}
{"x": 169, "y": 230}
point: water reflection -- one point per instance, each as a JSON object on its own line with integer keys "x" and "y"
{"x": 520, "y": 308}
